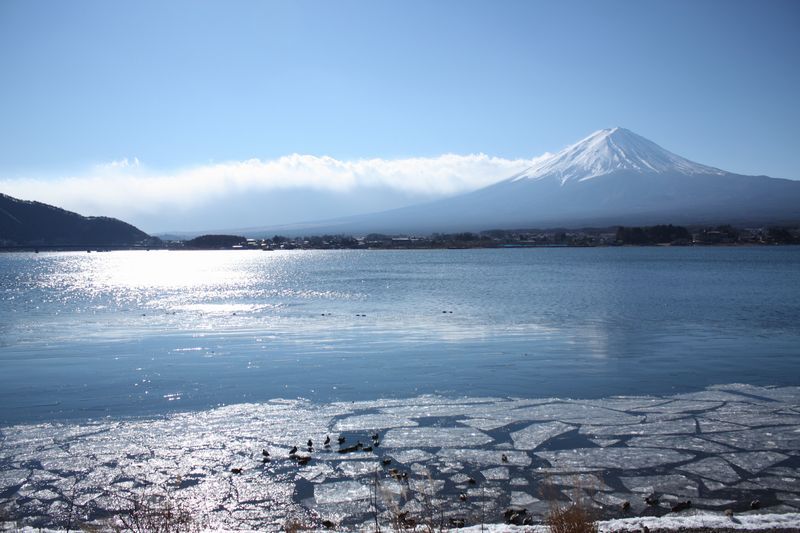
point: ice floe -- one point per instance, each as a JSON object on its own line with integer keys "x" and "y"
{"x": 535, "y": 435}
{"x": 712, "y": 468}
{"x": 434, "y": 437}
{"x": 623, "y": 458}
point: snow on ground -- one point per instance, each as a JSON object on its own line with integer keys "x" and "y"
{"x": 451, "y": 460}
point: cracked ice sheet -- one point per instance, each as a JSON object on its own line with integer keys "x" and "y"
{"x": 522, "y": 499}
{"x": 623, "y": 458}
{"x": 672, "y": 483}
{"x": 484, "y": 457}
{"x": 581, "y": 481}
{"x": 341, "y": 491}
{"x": 682, "y": 406}
{"x": 498, "y": 473}
{"x": 316, "y": 473}
{"x": 625, "y": 403}
{"x": 754, "y": 462}
{"x": 679, "y": 442}
{"x": 358, "y": 468}
{"x": 605, "y": 443}
{"x": 535, "y": 435}
{"x": 410, "y": 456}
{"x": 715, "y": 426}
{"x": 672, "y": 427}
{"x": 434, "y": 437}
{"x": 447, "y": 409}
{"x": 712, "y": 468}
{"x": 778, "y": 394}
{"x": 372, "y": 422}
{"x": 771, "y": 438}
{"x": 488, "y": 424}
{"x": 753, "y": 418}
{"x": 575, "y": 413}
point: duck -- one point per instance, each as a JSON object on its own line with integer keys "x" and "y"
{"x": 265, "y": 453}
{"x": 293, "y": 450}
{"x": 304, "y": 460}
{"x": 236, "y": 471}
{"x": 327, "y": 440}
{"x": 504, "y": 458}
{"x": 348, "y": 449}
{"x": 681, "y": 506}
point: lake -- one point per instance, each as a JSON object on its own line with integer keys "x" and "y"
{"x": 127, "y": 334}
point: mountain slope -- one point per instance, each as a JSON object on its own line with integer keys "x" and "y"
{"x": 611, "y": 177}
{"x": 37, "y": 224}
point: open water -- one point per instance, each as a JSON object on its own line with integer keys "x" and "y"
{"x": 127, "y": 334}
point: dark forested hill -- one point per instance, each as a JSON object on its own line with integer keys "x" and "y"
{"x": 24, "y": 223}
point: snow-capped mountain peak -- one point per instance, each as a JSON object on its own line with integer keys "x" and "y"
{"x": 612, "y": 150}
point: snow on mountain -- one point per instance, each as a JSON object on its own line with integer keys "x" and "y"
{"x": 612, "y": 177}
{"x": 612, "y": 150}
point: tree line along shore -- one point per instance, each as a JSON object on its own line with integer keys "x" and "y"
{"x": 658, "y": 235}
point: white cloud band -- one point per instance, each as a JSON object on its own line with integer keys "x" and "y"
{"x": 125, "y": 188}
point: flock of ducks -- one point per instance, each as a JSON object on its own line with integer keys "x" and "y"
{"x": 301, "y": 460}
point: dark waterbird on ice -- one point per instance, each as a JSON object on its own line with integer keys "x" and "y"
{"x": 681, "y": 506}
{"x": 341, "y": 439}
{"x": 327, "y": 440}
{"x": 354, "y": 447}
{"x": 293, "y": 450}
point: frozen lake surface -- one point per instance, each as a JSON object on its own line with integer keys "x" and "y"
{"x": 435, "y": 459}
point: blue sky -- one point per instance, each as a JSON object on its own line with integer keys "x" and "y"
{"x": 179, "y": 85}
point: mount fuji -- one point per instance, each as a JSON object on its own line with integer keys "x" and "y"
{"x": 612, "y": 177}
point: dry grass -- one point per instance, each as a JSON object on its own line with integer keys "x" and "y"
{"x": 155, "y": 511}
{"x": 573, "y": 518}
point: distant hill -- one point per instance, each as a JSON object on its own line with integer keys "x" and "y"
{"x": 215, "y": 242}
{"x": 612, "y": 177}
{"x": 25, "y": 223}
